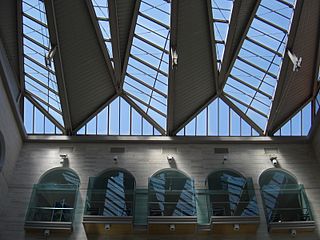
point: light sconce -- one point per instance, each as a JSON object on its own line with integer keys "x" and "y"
{"x": 172, "y": 227}
{"x": 64, "y": 158}
{"x": 274, "y": 160}
{"x": 170, "y": 159}
{"x": 236, "y": 227}
{"x": 107, "y": 227}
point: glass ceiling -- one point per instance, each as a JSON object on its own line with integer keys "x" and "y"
{"x": 250, "y": 84}
{"x": 252, "y": 81}
{"x": 221, "y": 12}
{"x": 146, "y": 81}
{"x": 41, "y": 87}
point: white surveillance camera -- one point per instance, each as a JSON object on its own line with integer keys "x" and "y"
{"x": 172, "y": 227}
{"x": 107, "y": 227}
{"x": 236, "y": 227}
{"x": 115, "y": 159}
{"x": 293, "y": 232}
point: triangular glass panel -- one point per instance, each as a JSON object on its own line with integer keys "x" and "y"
{"x": 118, "y": 118}
{"x": 253, "y": 78}
{"x": 299, "y": 124}
{"x": 35, "y": 122}
{"x": 221, "y": 12}
{"x": 146, "y": 80}
{"x": 39, "y": 73}
{"x": 217, "y": 119}
{"x": 101, "y": 9}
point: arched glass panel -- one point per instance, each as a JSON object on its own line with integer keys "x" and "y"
{"x": 53, "y": 199}
{"x": 231, "y": 194}
{"x": 284, "y": 199}
{"x": 111, "y": 194}
{"x": 171, "y": 193}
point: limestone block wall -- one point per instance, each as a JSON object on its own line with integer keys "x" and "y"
{"x": 142, "y": 160}
{"x": 12, "y": 144}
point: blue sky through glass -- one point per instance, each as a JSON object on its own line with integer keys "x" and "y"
{"x": 146, "y": 81}
{"x": 118, "y": 118}
{"x": 39, "y": 74}
{"x": 252, "y": 81}
{"x": 221, "y": 11}
{"x": 218, "y": 119}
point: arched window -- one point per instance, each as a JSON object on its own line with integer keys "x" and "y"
{"x": 171, "y": 193}
{"x": 285, "y": 201}
{"x": 2, "y": 150}
{"x": 53, "y": 200}
{"x": 111, "y": 194}
{"x": 231, "y": 194}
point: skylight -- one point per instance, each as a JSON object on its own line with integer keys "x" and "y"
{"x": 218, "y": 119}
{"x": 138, "y": 102}
{"x": 40, "y": 80}
{"x": 118, "y": 118}
{"x": 221, "y": 11}
{"x": 299, "y": 124}
{"x": 101, "y": 9}
{"x": 252, "y": 81}
{"x": 146, "y": 81}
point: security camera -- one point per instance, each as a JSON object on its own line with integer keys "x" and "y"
{"x": 236, "y": 227}
{"x": 107, "y": 227}
{"x": 46, "y": 233}
{"x": 172, "y": 227}
{"x": 115, "y": 159}
{"x": 293, "y": 232}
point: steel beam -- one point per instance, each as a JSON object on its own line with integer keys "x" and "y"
{"x": 284, "y": 82}
{"x": 242, "y": 115}
{"x": 102, "y": 43}
{"x": 130, "y": 40}
{"x": 143, "y": 114}
{"x": 58, "y": 64}
{"x": 115, "y": 41}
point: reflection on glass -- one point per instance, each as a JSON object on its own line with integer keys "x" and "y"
{"x": 110, "y": 194}
{"x": 284, "y": 199}
{"x": 171, "y": 194}
{"x": 54, "y": 198}
{"x": 230, "y": 194}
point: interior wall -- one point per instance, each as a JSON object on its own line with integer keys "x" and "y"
{"x": 315, "y": 137}
{"x": 13, "y": 143}
{"x": 142, "y": 160}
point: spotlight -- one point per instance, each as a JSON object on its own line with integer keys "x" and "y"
{"x": 225, "y": 158}
{"x": 46, "y": 233}
{"x": 172, "y": 227}
{"x": 274, "y": 160}
{"x": 170, "y": 158}
{"x": 107, "y": 227}
{"x": 293, "y": 232}
{"x": 64, "y": 158}
{"x": 236, "y": 227}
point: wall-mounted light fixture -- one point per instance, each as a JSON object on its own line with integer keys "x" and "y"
{"x": 64, "y": 158}
{"x": 274, "y": 160}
